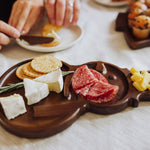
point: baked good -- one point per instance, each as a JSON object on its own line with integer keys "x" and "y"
{"x": 20, "y": 74}
{"x": 133, "y": 14}
{"x": 118, "y": 0}
{"x": 147, "y": 2}
{"x": 45, "y": 64}
{"x": 28, "y": 71}
{"x": 141, "y": 26}
{"x": 133, "y": 1}
{"x": 137, "y": 5}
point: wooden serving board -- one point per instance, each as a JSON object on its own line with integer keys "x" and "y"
{"x": 122, "y": 25}
{"x": 58, "y": 111}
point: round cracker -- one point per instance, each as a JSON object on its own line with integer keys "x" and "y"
{"x": 20, "y": 74}
{"x": 27, "y": 70}
{"x": 49, "y": 28}
{"x": 52, "y": 44}
{"x": 45, "y": 64}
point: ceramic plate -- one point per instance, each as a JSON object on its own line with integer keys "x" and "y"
{"x": 112, "y": 4}
{"x": 69, "y": 36}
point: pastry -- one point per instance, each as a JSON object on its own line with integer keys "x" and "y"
{"x": 133, "y": 14}
{"x": 141, "y": 26}
{"x": 137, "y": 5}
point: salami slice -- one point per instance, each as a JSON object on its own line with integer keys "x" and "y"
{"x": 82, "y": 77}
{"x": 98, "y": 76}
{"x": 84, "y": 90}
{"x": 102, "y": 92}
{"x": 93, "y": 85}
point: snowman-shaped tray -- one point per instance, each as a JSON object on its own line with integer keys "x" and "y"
{"x": 58, "y": 111}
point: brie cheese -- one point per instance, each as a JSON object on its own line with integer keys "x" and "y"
{"x": 54, "y": 80}
{"x": 35, "y": 91}
{"x": 13, "y": 106}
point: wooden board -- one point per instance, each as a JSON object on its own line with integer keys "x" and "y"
{"x": 122, "y": 25}
{"x": 58, "y": 111}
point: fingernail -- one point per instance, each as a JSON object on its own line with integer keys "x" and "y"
{"x": 22, "y": 32}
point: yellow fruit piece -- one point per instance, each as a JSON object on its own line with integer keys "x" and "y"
{"x": 144, "y": 72}
{"x": 133, "y": 70}
{"x": 137, "y": 77}
{"x": 138, "y": 86}
{"x": 146, "y": 80}
{"x": 141, "y": 80}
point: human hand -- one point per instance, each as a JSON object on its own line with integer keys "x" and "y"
{"x": 63, "y": 12}
{"x": 6, "y": 31}
{"x": 25, "y": 14}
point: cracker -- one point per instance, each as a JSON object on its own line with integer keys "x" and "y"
{"x": 52, "y": 44}
{"x": 45, "y": 64}
{"x": 49, "y": 28}
{"x": 20, "y": 74}
{"x": 27, "y": 70}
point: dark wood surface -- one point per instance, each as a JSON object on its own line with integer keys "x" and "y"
{"x": 58, "y": 111}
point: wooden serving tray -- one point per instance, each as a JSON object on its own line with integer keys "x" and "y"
{"x": 122, "y": 25}
{"x": 58, "y": 111}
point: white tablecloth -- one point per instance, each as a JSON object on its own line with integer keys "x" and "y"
{"x": 127, "y": 130}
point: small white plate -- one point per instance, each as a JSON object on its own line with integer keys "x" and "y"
{"x": 112, "y": 4}
{"x": 68, "y": 37}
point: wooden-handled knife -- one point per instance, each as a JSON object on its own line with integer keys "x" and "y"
{"x": 33, "y": 40}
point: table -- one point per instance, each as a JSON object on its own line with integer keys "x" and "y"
{"x": 127, "y": 130}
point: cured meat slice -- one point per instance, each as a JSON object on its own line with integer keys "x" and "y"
{"x": 98, "y": 76}
{"x": 102, "y": 92}
{"x": 93, "y": 85}
{"x": 84, "y": 90}
{"x": 82, "y": 77}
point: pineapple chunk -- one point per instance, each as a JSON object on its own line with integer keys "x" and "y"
{"x": 144, "y": 72}
{"x": 133, "y": 70}
{"x": 141, "y": 80}
{"x": 137, "y": 77}
{"x": 146, "y": 80}
{"x": 138, "y": 86}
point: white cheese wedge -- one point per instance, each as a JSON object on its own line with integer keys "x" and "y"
{"x": 13, "y": 106}
{"x": 53, "y": 79}
{"x": 35, "y": 91}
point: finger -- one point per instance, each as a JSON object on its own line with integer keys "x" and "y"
{"x": 9, "y": 30}
{"x": 60, "y": 11}
{"x": 76, "y": 12}
{"x": 0, "y": 47}
{"x": 50, "y": 8}
{"x": 35, "y": 15}
{"x": 17, "y": 9}
{"x": 23, "y": 16}
{"x": 4, "y": 40}
{"x": 68, "y": 14}
{"x": 13, "y": 11}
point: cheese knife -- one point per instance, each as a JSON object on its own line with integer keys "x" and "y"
{"x": 33, "y": 40}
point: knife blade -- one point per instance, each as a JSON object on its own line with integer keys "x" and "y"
{"x": 33, "y": 40}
